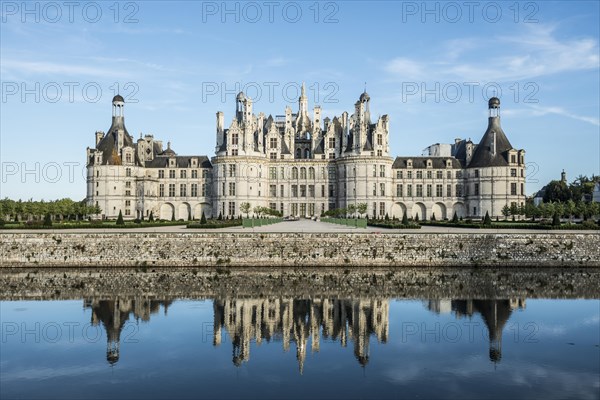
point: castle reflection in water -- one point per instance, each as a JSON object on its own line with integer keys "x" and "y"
{"x": 302, "y": 322}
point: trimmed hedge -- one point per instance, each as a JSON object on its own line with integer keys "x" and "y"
{"x": 215, "y": 224}
{"x": 394, "y": 225}
{"x": 358, "y": 223}
{"x": 252, "y": 222}
{"x": 90, "y": 225}
{"x": 512, "y": 225}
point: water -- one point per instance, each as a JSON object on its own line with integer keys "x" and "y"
{"x": 334, "y": 343}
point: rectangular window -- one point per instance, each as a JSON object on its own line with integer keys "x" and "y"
{"x": 382, "y": 209}
{"x": 476, "y": 189}
{"x": 419, "y": 190}
{"x": 409, "y": 190}
{"x": 161, "y": 174}
{"x": 322, "y": 190}
{"x": 127, "y": 211}
{"x": 429, "y": 174}
{"x": 374, "y": 210}
{"x": 294, "y": 209}
{"x": 203, "y": 190}
{"x": 439, "y": 174}
{"x": 161, "y": 190}
{"x": 332, "y": 143}
{"x": 522, "y": 190}
{"x": 382, "y": 189}
{"x": 399, "y": 190}
{"x": 458, "y": 191}
{"x": 382, "y": 171}
{"x": 311, "y": 190}
{"x": 232, "y": 208}
{"x": 272, "y": 172}
{"x": 429, "y": 194}
{"x": 128, "y": 172}
{"x": 273, "y": 156}
{"x": 183, "y": 190}
{"x": 476, "y": 173}
{"x": 281, "y": 191}
{"x": 128, "y": 193}
{"x": 273, "y": 206}
{"x": 449, "y": 190}
{"x": 439, "y": 191}
{"x": 183, "y": 174}
{"x": 332, "y": 173}
{"x": 398, "y": 174}
{"x": 204, "y": 173}
{"x": 273, "y": 190}
{"x": 127, "y": 184}
{"x": 409, "y": 174}
{"x": 194, "y": 174}
{"x": 171, "y": 190}
{"x": 294, "y": 190}
{"x": 374, "y": 189}
{"x": 513, "y": 172}
{"x": 513, "y": 158}
{"x": 374, "y": 171}
{"x": 273, "y": 143}
{"x": 419, "y": 174}
{"x": 303, "y": 209}
{"x": 172, "y": 174}
{"x": 231, "y": 170}
{"x": 234, "y": 138}
{"x": 232, "y": 188}
{"x": 513, "y": 189}
{"x": 331, "y": 191}
{"x": 194, "y": 190}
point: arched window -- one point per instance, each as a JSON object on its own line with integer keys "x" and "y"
{"x": 311, "y": 173}
{"x": 298, "y": 153}
{"x": 294, "y": 173}
{"x": 307, "y": 153}
{"x": 302, "y": 173}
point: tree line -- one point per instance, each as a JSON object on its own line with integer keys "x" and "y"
{"x": 58, "y": 210}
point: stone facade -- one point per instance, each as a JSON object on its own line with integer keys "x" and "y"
{"x": 298, "y": 250}
{"x": 303, "y": 166}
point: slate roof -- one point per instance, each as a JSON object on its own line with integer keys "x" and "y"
{"x": 180, "y": 162}
{"x": 108, "y": 143}
{"x": 421, "y": 162}
{"x": 483, "y": 157}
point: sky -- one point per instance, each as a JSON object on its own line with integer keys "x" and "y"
{"x": 430, "y": 66}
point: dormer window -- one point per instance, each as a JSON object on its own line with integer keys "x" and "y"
{"x": 428, "y": 163}
{"x": 448, "y": 163}
{"x": 409, "y": 163}
{"x": 171, "y": 162}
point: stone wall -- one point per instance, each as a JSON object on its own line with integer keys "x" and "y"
{"x": 300, "y": 250}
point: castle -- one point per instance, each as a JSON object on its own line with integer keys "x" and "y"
{"x": 303, "y": 166}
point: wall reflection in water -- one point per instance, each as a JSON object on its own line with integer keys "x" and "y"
{"x": 301, "y": 323}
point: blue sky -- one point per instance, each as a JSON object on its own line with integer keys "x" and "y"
{"x": 429, "y": 66}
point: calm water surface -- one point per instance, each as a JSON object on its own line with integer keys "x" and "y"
{"x": 124, "y": 346}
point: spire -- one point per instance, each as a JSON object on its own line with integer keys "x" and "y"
{"x": 303, "y": 94}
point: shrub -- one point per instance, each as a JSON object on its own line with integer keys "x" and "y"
{"x": 404, "y": 219}
{"x": 455, "y": 218}
{"x": 203, "y": 219}
{"x": 120, "y": 219}
{"x": 555, "y": 220}
{"x": 433, "y": 217}
{"x": 487, "y": 221}
{"x": 47, "y": 220}
{"x": 151, "y": 218}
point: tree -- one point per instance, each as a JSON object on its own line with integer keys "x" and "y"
{"x": 351, "y": 209}
{"x": 404, "y": 219}
{"x": 433, "y": 216}
{"x": 387, "y": 217}
{"x": 514, "y": 209}
{"x": 203, "y": 218}
{"x": 556, "y": 219}
{"x": 506, "y": 211}
{"x": 557, "y": 191}
{"x": 487, "y": 221}
{"x": 172, "y": 215}
{"x": 570, "y": 208}
{"x": 417, "y": 217}
{"x": 361, "y": 208}
{"x": 151, "y": 218}
{"x": 120, "y": 219}
{"x": 245, "y": 208}
{"x": 220, "y": 217}
{"x": 455, "y": 218}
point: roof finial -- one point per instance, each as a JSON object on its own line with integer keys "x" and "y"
{"x": 303, "y": 94}
{"x": 168, "y": 145}
{"x": 365, "y": 91}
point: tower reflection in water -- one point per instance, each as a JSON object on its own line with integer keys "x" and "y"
{"x": 114, "y": 313}
{"x": 495, "y": 315}
{"x": 289, "y": 320}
